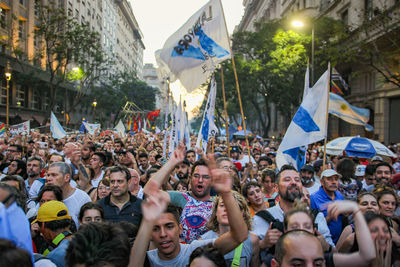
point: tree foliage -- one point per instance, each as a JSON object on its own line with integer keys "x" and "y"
{"x": 271, "y": 63}
{"x": 123, "y": 87}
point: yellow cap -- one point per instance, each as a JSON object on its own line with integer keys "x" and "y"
{"x": 52, "y": 211}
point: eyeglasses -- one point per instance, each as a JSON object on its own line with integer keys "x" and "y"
{"x": 197, "y": 176}
{"x": 227, "y": 168}
{"x": 103, "y": 188}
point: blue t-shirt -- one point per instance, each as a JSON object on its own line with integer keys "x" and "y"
{"x": 318, "y": 199}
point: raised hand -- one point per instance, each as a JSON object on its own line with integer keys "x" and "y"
{"x": 155, "y": 203}
{"x": 179, "y": 154}
{"x": 341, "y": 207}
{"x": 221, "y": 179}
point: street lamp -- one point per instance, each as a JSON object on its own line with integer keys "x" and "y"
{"x": 299, "y": 24}
{"x": 8, "y": 78}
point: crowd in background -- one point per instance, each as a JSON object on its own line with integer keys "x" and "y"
{"x": 107, "y": 200}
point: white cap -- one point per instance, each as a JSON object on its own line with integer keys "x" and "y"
{"x": 329, "y": 173}
{"x": 360, "y": 170}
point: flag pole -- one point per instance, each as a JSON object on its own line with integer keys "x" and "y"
{"x": 166, "y": 121}
{"x": 238, "y": 89}
{"x": 225, "y": 112}
{"x": 327, "y": 116}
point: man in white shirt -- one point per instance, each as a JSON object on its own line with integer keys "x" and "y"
{"x": 97, "y": 162}
{"x": 59, "y": 174}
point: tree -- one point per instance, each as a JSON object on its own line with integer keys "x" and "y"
{"x": 70, "y": 57}
{"x": 121, "y": 88}
{"x": 271, "y": 63}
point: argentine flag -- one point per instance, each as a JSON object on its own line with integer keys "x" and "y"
{"x": 308, "y": 125}
{"x": 208, "y": 128}
{"x": 339, "y": 107}
{"x": 56, "y": 129}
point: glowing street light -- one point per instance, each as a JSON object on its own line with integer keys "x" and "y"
{"x": 297, "y": 24}
{"x": 8, "y": 78}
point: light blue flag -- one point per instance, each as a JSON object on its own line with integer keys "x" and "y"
{"x": 339, "y": 107}
{"x": 56, "y": 129}
{"x": 308, "y": 125}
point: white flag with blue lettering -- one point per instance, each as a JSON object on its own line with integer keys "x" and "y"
{"x": 308, "y": 125}
{"x": 192, "y": 52}
{"x": 208, "y": 128}
{"x": 56, "y": 129}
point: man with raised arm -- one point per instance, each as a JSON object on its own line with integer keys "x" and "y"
{"x": 197, "y": 204}
{"x": 163, "y": 228}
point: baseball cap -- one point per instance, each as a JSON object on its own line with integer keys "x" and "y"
{"x": 52, "y": 211}
{"x": 307, "y": 168}
{"x": 329, "y": 173}
{"x": 377, "y": 158}
{"x": 360, "y": 170}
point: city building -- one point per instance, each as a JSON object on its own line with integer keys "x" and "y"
{"x": 367, "y": 86}
{"x": 151, "y": 78}
{"x": 120, "y": 37}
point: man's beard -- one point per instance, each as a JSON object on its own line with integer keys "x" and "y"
{"x": 290, "y": 196}
{"x": 182, "y": 175}
{"x": 33, "y": 174}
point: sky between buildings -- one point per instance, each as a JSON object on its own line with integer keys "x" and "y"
{"x": 159, "y": 19}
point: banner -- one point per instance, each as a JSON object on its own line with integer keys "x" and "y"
{"x": 91, "y": 127}
{"x": 120, "y": 128}
{"x": 56, "y": 129}
{"x": 192, "y": 52}
{"x": 20, "y": 128}
{"x": 208, "y": 128}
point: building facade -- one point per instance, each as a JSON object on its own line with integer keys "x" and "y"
{"x": 120, "y": 37}
{"x": 367, "y": 87}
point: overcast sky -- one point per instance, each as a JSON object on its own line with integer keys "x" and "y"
{"x": 158, "y": 19}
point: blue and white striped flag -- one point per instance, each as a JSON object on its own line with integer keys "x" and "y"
{"x": 339, "y": 107}
{"x": 208, "y": 128}
{"x": 56, "y": 129}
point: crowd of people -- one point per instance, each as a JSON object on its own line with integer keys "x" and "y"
{"x": 106, "y": 200}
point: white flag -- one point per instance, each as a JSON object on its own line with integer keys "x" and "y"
{"x": 192, "y": 52}
{"x": 173, "y": 133}
{"x": 308, "y": 125}
{"x": 208, "y": 128}
{"x": 307, "y": 82}
{"x": 120, "y": 128}
{"x": 166, "y": 129}
{"x": 56, "y": 129}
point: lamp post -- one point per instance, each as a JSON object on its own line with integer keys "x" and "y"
{"x": 300, "y": 24}
{"x": 8, "y": 78}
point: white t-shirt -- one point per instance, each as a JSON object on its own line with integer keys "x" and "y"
{"x": 95, "y": 182}
{"x": 75, "y": 202}
{"x": 314, "y": 188}
{"x": 183, "y": 257}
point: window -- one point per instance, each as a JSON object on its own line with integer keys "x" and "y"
{"x": 3, "y": 18}
{"x": 46, "y": 100}
{"x": 20, "y": 96}
{"x": 36, "y": 39}
{"x": 345, "y": 17}
{"x": 22, "y": 2}
{"x": 35, "y": 100}
{"x": 61, "y": 4}
{"x": 368, "y": 9}
{"x": 37, "y": 8}
{"x": 3, "y": 92}
{"x": 21, "y": 29}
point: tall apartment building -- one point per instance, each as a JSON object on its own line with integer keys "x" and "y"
{"x": 120, "y": 37}
{"x": 368, "y": 89}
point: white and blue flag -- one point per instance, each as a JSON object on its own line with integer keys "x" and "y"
{"x": 306, "y": 82}
{"x": 308, "y": 125}
{"x": 56, "y": 129}
{"x": 339, "y": 107}
{"x": 192, "y": 52}
{"x": 208, "y": 128}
